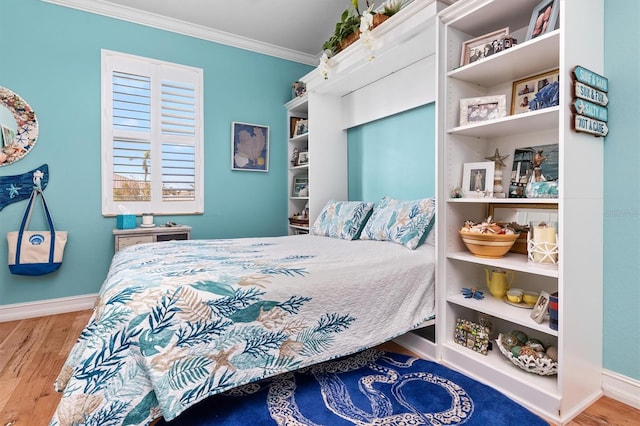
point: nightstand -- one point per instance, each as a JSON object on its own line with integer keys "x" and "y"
{"x": 129, "y": 237}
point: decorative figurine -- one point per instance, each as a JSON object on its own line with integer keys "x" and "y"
{"x": 497, "y": 174}
{"x": 472, "y": 293}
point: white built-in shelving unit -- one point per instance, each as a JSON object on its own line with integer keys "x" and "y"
{"x": 577, "y": 278}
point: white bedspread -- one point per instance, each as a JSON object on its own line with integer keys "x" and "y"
{"x": 179, "y": 321}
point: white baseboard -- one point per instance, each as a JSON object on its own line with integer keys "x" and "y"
{"x": 621, "y": 388}
{"x": 19, "y": 311}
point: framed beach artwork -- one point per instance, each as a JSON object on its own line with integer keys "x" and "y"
{"x": 533, "y": 164}
{"x": 249, "y": 147}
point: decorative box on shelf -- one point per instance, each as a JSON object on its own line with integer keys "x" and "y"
{"x": 472, "y": 335}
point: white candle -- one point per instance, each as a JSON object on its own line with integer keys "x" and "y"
{"x": 545, "y": 238}
{"x": 147, "y": 219}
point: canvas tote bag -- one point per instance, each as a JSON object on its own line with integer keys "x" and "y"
{"x": 35, "y": 252}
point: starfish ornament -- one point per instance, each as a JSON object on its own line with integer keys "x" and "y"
{"x": 497, "y": 158}
{"x": 13, "y": 190}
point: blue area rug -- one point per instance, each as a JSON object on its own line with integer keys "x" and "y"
{"x": 371, "y": 387}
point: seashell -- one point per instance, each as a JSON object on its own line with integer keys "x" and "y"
{"x": 552, "y": 352}
{"x": 526, "y": 350}
{"x": 541, "y": 354}
{"x": 536, "y": 346}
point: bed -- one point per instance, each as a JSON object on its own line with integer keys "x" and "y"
{"x": 179, "y": 321}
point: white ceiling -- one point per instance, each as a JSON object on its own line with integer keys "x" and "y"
{"x": 291, "y": 29}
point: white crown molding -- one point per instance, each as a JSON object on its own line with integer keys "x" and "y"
{"x": 148, "y": 19}
{"x": 41, "y": 308}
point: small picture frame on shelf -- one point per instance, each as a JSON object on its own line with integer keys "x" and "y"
{"x": 300, "y": 186}
{"x": 543, "y": 18}
{"x": 293, "y": 123}
{"x": 482, "y": 47}
{"x": 249, "y": 147}
{"x": 303, "y": 158}
{"x": 536, "y": 92}
{"x": 484, "y": 108}
{"x": 302, "y": 127}
{"x": 477, "y": 179}
{"x": 540, "y": 308}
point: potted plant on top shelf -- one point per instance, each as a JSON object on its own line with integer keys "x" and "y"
{"x": 354, "y": 25}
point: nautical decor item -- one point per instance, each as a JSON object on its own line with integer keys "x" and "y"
{"x": 18, "y": 187}
{"x": 19, "y": 127}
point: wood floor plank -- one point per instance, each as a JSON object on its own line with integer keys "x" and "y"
{"x": 33, "y": 351}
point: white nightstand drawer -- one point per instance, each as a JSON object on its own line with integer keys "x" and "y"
{"x": 130, "y": 237}
{"x": 133, "y": 240}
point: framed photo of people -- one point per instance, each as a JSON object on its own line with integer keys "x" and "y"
{"x": 535, "y": 92}
{"x": 477, "y": 179}
{"x": 483, "y": 108}
{"x": 481, "y": 47}
{"x": 543, "y": 18}
{"x": 533, "y": 165}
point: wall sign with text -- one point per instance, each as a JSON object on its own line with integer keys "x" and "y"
{"x": 590, "y": 113}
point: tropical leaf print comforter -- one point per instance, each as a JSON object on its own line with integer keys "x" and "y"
{"x": 179, "y": 321}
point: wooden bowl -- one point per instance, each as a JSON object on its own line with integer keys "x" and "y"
{"x": 488, "y": 245}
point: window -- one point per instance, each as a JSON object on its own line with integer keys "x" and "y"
{"x": 152, "y": 136}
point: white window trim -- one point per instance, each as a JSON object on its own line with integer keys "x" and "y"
{"x": 156, "y": 205}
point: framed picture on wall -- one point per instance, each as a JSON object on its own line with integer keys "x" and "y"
{"x": 249, "y": 147}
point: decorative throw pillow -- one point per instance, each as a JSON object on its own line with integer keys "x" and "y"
{"x": 342, "y": 219}
{"x": 402, "y": 222}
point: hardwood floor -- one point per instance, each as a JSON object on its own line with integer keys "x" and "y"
{"x": 32, "y": 352}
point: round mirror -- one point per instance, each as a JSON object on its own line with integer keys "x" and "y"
{"x": 18, "y": 127}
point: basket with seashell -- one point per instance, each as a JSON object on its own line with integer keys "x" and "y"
{"x": 530, "y": 355}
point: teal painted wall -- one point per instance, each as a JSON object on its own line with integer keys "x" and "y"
{"x": 393, "y": 156}
{"x": 622, "y": 190}
{"x": 52, "y": 59}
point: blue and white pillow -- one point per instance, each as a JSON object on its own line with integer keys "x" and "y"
{"x": 402, "y": 222}
{"x": 342, "y": 219}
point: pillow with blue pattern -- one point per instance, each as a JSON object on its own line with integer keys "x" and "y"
{"x": 402, "y": 222}
{"x": 342, "y": 219}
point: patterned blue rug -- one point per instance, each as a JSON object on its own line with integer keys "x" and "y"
{"x": 370, "y": 388}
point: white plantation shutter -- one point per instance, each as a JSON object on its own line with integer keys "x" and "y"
{"x": 152, "y": 139}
